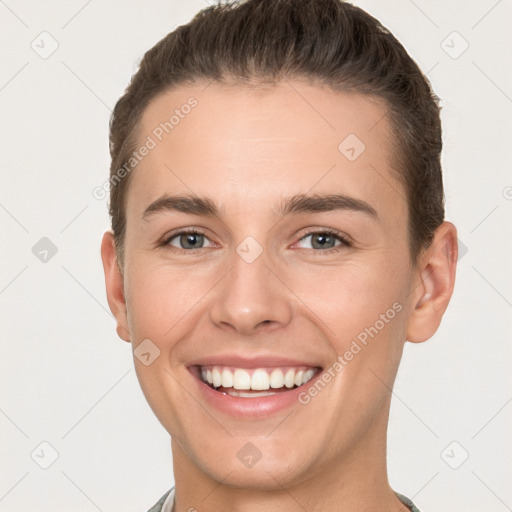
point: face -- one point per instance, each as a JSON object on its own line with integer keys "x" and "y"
{"x": 273, "y": 297}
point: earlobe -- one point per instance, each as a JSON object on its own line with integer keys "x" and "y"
{"x": 114, "y": 285}
{"x": 434, "y": 287}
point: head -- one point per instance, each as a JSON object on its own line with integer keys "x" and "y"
{"x": 302, "y": 144}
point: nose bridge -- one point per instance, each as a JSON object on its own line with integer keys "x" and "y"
{"x": 250, "y": 294}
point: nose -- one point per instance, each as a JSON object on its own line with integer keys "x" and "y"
{"x": 252, "y": 297}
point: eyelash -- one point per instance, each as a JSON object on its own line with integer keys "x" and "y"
{"x": 345, "y": 242}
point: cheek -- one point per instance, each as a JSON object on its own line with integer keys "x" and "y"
{"x": 352, "y": 296}
{"x": 160, "y": 299}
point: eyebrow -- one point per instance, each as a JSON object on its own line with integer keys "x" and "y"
{"x": 298, "y": 204}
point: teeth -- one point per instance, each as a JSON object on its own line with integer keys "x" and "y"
{"x": 243, "y": 394}
{"x": 276, "y": 379}
{"x": 289, "y": 379}
{"x": 308, "y": 375}
{"x": 241, "y": 379}
{"x": 259, "y": 379}
{"x": 217, "y": 379}
{"x": 227, "y": 378}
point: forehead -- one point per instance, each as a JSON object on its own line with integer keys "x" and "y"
{"x": 248, "y": 146}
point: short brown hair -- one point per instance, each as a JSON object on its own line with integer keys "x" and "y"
{"x": 328, "y": 42}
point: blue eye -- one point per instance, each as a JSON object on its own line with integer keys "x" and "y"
{"x": 186, "y": 240}
{"x": 325, "y": 240}
{"x": 322, "y": 240}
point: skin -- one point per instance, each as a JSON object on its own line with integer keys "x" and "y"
{"x": 247, "y": 150}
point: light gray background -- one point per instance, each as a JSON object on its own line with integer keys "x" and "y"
{"x": 67, "y": 380}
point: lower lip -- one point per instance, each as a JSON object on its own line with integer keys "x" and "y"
{"x": 251, "y": 407}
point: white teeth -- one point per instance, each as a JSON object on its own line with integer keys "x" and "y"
{"x": 227, "y": 378}
{"x": 308, "y": 375}
{"x": 259, "y": 379}
{"x": 217, "y": 379}
{"x": 289, "y": 379}
{"x": 276, "y": 379}
{"x": 241, "y": 379}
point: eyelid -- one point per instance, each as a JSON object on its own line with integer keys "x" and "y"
{"x": 345, "y": 240}
{"x": 164, "y": 242}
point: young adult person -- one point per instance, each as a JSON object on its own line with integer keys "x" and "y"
{"x": 278, "y": 234}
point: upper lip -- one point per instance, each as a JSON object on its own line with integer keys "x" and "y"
{"x": 244, "y": 361}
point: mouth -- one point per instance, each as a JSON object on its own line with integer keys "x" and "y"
{"x": 254, "y": 382}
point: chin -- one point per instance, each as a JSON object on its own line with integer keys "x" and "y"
{"x": 253, "y": 464}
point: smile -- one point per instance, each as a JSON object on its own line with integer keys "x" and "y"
{"x": 255, "y": 382}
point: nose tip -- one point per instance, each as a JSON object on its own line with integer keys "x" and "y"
{"x": 247, "y": 320}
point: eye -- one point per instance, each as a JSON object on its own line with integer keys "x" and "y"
{"x": 187, "y": 240}
{"x": 324, "y": 240}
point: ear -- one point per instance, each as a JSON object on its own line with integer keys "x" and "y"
{"x": 114, "y": 285}
{"x": 434, "y": 284}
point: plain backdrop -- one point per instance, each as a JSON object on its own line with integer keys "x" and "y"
{"x": 76, "y": 432}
